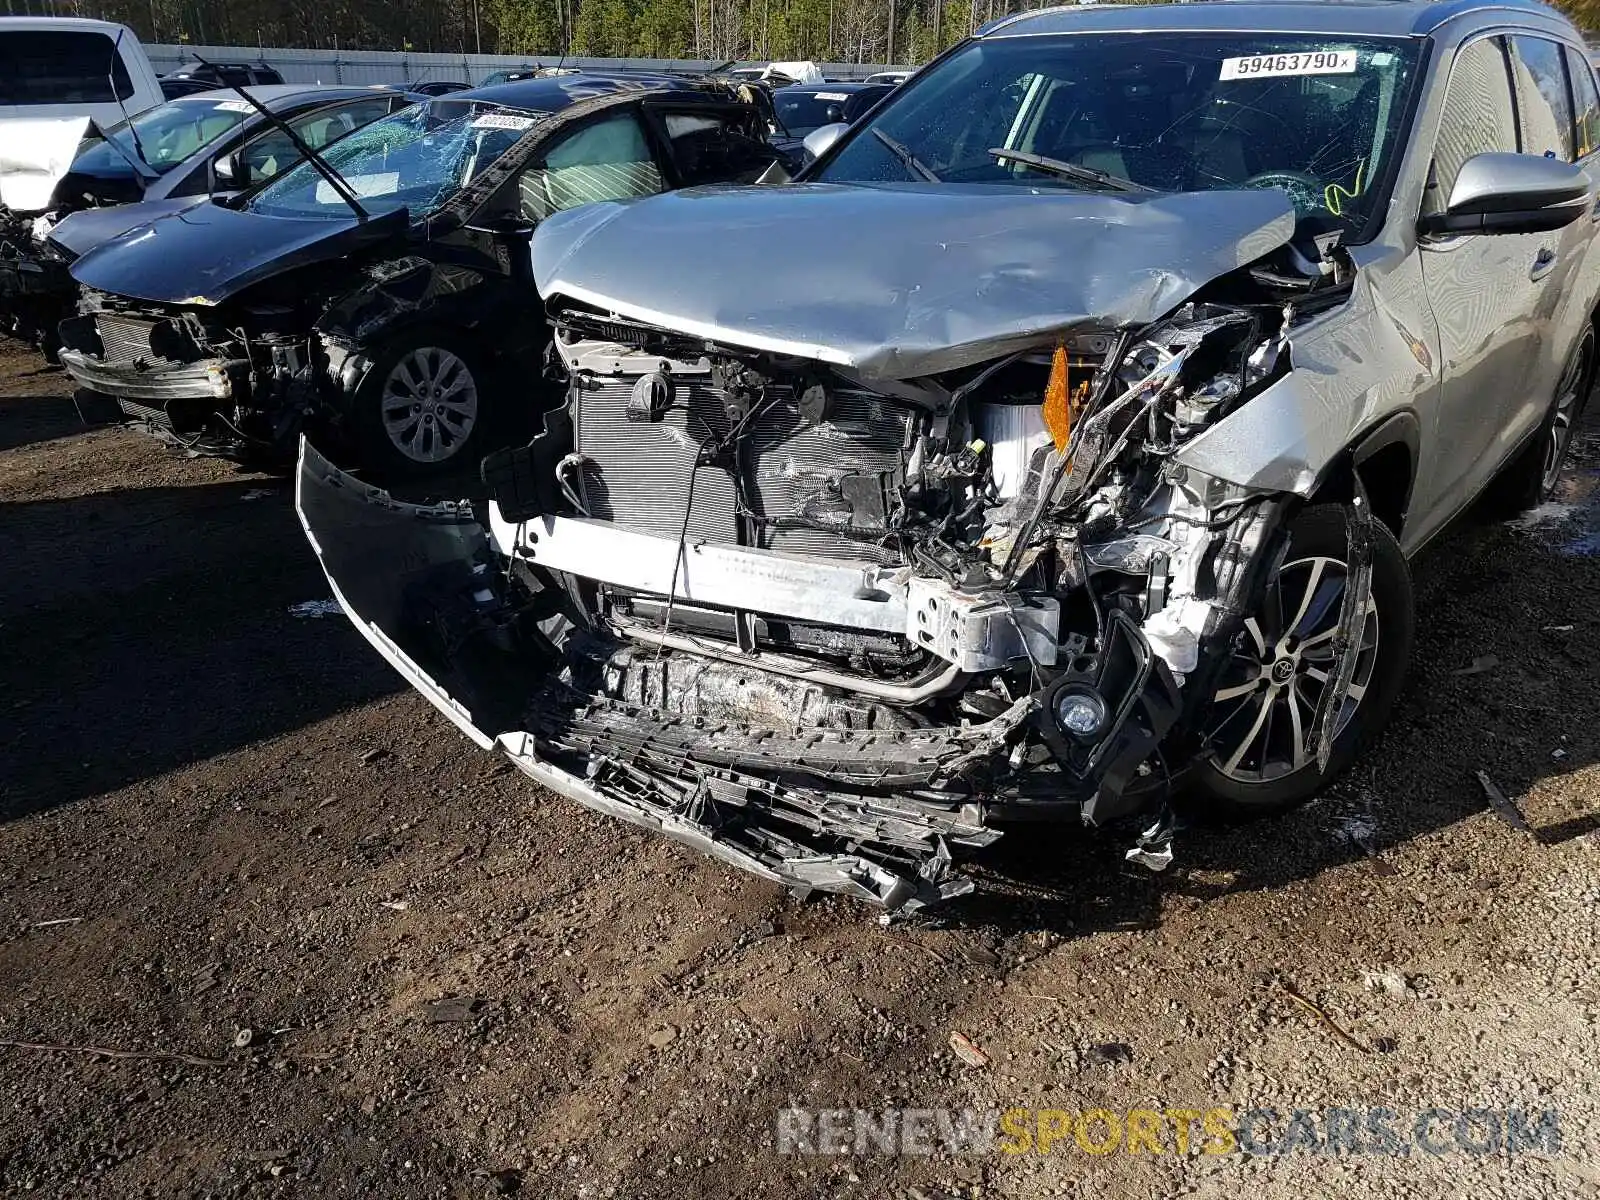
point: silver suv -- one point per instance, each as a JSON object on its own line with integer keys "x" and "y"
{"x": 1057, "y": 440}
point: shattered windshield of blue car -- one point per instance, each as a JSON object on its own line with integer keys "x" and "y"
{"x": 416, "y": 160}
{"x": 1317, "y": 116}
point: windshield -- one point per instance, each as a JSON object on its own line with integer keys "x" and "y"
{"x": 1316, "y": 116}
{"x": 803, "y": 111}
{"x": 169, "y": 134}
{"x": 416, "y": 160}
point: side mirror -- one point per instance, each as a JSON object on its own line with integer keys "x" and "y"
{"x": 818, "y": 141}
{"x": 230, "y": 170}
{"x": 1512, "y": 193}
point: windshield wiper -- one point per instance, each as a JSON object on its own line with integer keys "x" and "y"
{"x": 907, "y": 159}
{"x": 1066, "y": 170}
{"x": 127, "y": 121}
{"x": 319, "y": 164}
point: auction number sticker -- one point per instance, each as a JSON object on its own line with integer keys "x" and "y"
{"x": 1307, "y": 62}
{"x": 833, "y": 96}
{"x": 502, "y": 121}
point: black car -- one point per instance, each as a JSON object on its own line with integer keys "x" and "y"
{"x": 803, "y": 108}
{"x": 437, "y": 87}
{"x": 385, "y": 292}
{"x": 167, "y": 158}
{"x": 224, "y": 75}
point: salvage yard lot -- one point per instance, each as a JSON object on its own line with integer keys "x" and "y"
{"x": 356, "y": 956}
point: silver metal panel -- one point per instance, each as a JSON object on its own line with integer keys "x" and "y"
{"x": 896, "y": 281}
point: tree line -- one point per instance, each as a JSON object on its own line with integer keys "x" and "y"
{"x": 875, "y": 31}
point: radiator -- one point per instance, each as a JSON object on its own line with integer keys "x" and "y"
{"x": 637, "y": 473}
{"x": 126, "y": 339}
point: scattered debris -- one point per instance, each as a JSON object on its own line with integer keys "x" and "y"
{"x": 1502, "y": 805}
{"x": 1390, "y": 982}
{"x": 1328, "y": 1022}
{"x": 1385, "y": 1045}
{"x": 373, "y": 755}
{"x": 664, "y": 1037}
{"x": 194, "y": 1060}
{"x": 242, "y": 1037}
{"x": 1108, "y": 1054}
{"x": 259, "y": 494}
{"x": 57, "y": 921}
{"x": 205, "y": 979}
{"x": 453, "y": 1010}
{"x": 1556, "y": 628}
{"x": 1558, "y": 755}
{"x": 307, "y": 609}
{"x": 396, "y": 905}
{"x": 1481, "y": 665}
{"x": 967, "y": 1050}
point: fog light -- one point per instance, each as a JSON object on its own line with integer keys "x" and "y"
{"x": 1082, "y": 714}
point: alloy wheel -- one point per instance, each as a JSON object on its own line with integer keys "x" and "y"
{"x": 1267, "y": 701}
{"x": 429, "y": 404}
{"x": 1568, "y": 404}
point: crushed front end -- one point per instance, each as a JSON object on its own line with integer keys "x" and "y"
{"x": 836, "y": 632}
{"x": 227, "y": 379}
{"x": 36, "y": 291}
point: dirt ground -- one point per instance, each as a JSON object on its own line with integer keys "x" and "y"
{"x": 237, "y": 850}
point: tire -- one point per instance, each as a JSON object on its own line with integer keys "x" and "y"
{"x": 1250, "y": 767}
{"x": 1531, "y": 477}
{"x": 422, "y": 408}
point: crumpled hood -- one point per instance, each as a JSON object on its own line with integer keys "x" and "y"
{"x": 35, "y": 152}
{"x": 206, "y": 253}
{"x": 899, "y": 281}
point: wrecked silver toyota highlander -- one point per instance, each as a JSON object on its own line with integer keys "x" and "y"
{"x": 1058, "y": 440}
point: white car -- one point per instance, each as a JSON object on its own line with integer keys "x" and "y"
{"x": 56, "y": 75}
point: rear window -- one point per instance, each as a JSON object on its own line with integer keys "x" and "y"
{"x": 49, "y": 66}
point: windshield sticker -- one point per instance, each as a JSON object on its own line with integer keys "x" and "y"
{"x": 385, "y": 183}
{"x": 502, "y": 121}
{"x": 243, "y": 106}
{"x": 832, "y": 95}
{"x": 1310, "y": 62}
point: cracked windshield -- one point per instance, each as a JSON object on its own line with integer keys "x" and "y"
{"x": 1317, "y": 117}
{"x": 414, "y": 160}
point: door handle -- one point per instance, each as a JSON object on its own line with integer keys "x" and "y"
{"x": 1544, "y": 262}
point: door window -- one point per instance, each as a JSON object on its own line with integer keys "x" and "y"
{"x": 273, "y": 151}
{"x": 715, "y": 147}
{"x": 1478, "y": 117}
{"x": 1586, "y": 101}
{"x": 608, "y": 160}
{"x": 1544, "y": 107}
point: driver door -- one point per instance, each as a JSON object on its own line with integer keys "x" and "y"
{"x": 1492, "y": 296}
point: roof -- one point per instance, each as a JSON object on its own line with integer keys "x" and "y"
{"x": 81, "y": 24}
{"x": 555, "y": 92}
{"x": 285, "y": 95}
{"x": 1383, "y": 18}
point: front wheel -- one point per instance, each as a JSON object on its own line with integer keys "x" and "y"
{"x": 1260, "y": 755}
{"x": 422, "y": 407}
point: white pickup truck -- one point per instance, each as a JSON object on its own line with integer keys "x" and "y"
{"x": 56, "y": 75}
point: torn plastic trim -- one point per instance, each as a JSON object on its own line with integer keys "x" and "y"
{"x": 621, "y": 782}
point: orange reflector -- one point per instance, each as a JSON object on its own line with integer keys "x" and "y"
{"x": 1057, "y": 406}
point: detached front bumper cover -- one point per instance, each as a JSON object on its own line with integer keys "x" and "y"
{"x": 381, "y": 556}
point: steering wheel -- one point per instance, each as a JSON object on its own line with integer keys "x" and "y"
{"x": 1304, "y": 190}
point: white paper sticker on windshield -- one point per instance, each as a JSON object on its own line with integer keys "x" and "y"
{"x": 384, "y": 183}
{"x": 832, "y": 95}
{"x": 1307, "y": 62}
{"x": 502, "y": 121}
{"x": 243, "y": 106}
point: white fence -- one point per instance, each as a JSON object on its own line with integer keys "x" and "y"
{"x": 394, "y": 66}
